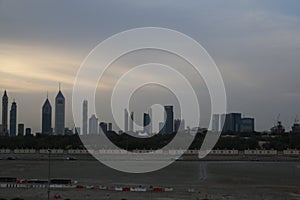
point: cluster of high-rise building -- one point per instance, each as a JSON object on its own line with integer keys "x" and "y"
{"x": 19, "y": 129}
{"x": 12, "y": 129}
{"x": 226, "y": 123}
{"x": 168, "y": 126}
{"x": 60, "y": 106}
{"x": 232, "y": 123}
{"x": 92, "y": 125}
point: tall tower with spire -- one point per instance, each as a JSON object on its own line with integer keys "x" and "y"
{"x": 59, "y": 113}
{"x": 47, "y": 117}
{"x": 13, "y": 120}
{"x": 4, "y": 130}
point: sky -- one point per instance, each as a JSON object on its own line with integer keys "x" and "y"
{"x": 255, "y": 44}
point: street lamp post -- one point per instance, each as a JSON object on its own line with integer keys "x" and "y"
{"x": 49, "y": 172}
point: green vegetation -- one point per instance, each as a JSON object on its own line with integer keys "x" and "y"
{"x": 236, "y": 141}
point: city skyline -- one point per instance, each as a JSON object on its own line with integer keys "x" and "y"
{"x": 231, "y": 122}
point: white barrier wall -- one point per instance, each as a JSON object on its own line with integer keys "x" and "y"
{"x": 291, "y": 152}
{"x": 288, "y": 152}
{"x": 224, "y": 152}
{"x": 77, "y": 151}
{"x": 260, "y": 152}
{"x": 53, "y": 151}
{"x": 24, "y": 151}
{"x": 4, "y": 151}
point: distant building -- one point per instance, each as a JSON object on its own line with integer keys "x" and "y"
{"x": 247, "y": 125}
{"x": 103, "y": 127}
{"x": 77, "y": 131}
{"x": 161, "y": 127}
{"x": 126, "y": 116}
{"x": 20, "y": 129}
{"x": 85, "y": 117}
{"x": 169, "y": 117}
{"x": 93, "y": 125}
{"x": 233, "y": 123}
{"x": 110, "y": 127}
{"x": 146, "y": 123}
{"x": 278, "y": 129}
{"x": 179, "y": 125}
{"x": 131, "y": 122}
{"x": 222, "y": 122}
{"x": 13, "y": 120}
{"x": 47, "y": 118}
{"x": 28, "y": 131}
{"x": 68, "y": 131}
{"x": 296, "y": 127}
{"x": 215, "y": 123}
{"x": 150, "y": 126}
{"x": 59, "y": 113}
{"x": 4, "y": 130}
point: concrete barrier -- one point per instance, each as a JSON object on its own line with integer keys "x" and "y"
{"x": 5, "y": 151}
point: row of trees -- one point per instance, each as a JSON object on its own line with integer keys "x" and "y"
{"x": 238, "y": 142}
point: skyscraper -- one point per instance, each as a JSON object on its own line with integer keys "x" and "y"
{"x": 248, "y": 125}
{"x": 125, "y": 120}
{"x": 179, "y": 125}
{"x": 20, "y": 129}
{"x": 85, "y": 117}
{"x": 131, "y": 120}
{"x": 161, "y": 127}
{"x": 146, "y": 123}
{"x": 151, "y": 120}
{"x": 28, "y": 131}
{"x": 103, "y": 127}
{"x": 4, "y": 130}
{"x": 93, "y": 125}
{"x": 59, "y": 113}
{"x": 47, "y": 118}
{"x": 233, "y": 123}
{"x": 13, "y": 120}
{"x": 109, "y": 126}
{"x": 169, "y": 117}
{"x": 215, "y": 122}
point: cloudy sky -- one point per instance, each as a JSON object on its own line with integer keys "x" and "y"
{"x": 256, "y": 45}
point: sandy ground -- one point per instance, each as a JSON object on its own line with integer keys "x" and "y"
{"x": 211, "y": 179}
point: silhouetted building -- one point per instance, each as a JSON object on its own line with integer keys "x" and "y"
{"x": 93, "y": 125}
{"x": 28, "y": 131}
{"x": 215, "y": 123}
{"x": 150, "y": 126}
{"x": 222, "y": 122}
{"x": 77, "y": 130}
{"x": 4, "y": 130}
{"x": 20, "y": 129}
{"x": 131, "y": 121}
{"x": 233, "y": 123}
{"x": 85, "y": 117}
{"x": 13, "y": 120}
{"x": 278, "y": 129}
{"x": 247, "y": 125}
{"x": 103, "y": 127}
{"x": 47, "y": 118}
{"x": 59, "y": 113}
{"x": 68, "y": 131}
{"x": 126, "y": 115}
{"x": 179, "y": 125}
{"x": 110, "y": 127}
{"x": 169, "y": 117}
{"x": 296, "y": 127}
{"x": 161, "y": 127}
{"x": 146, "y": 123}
